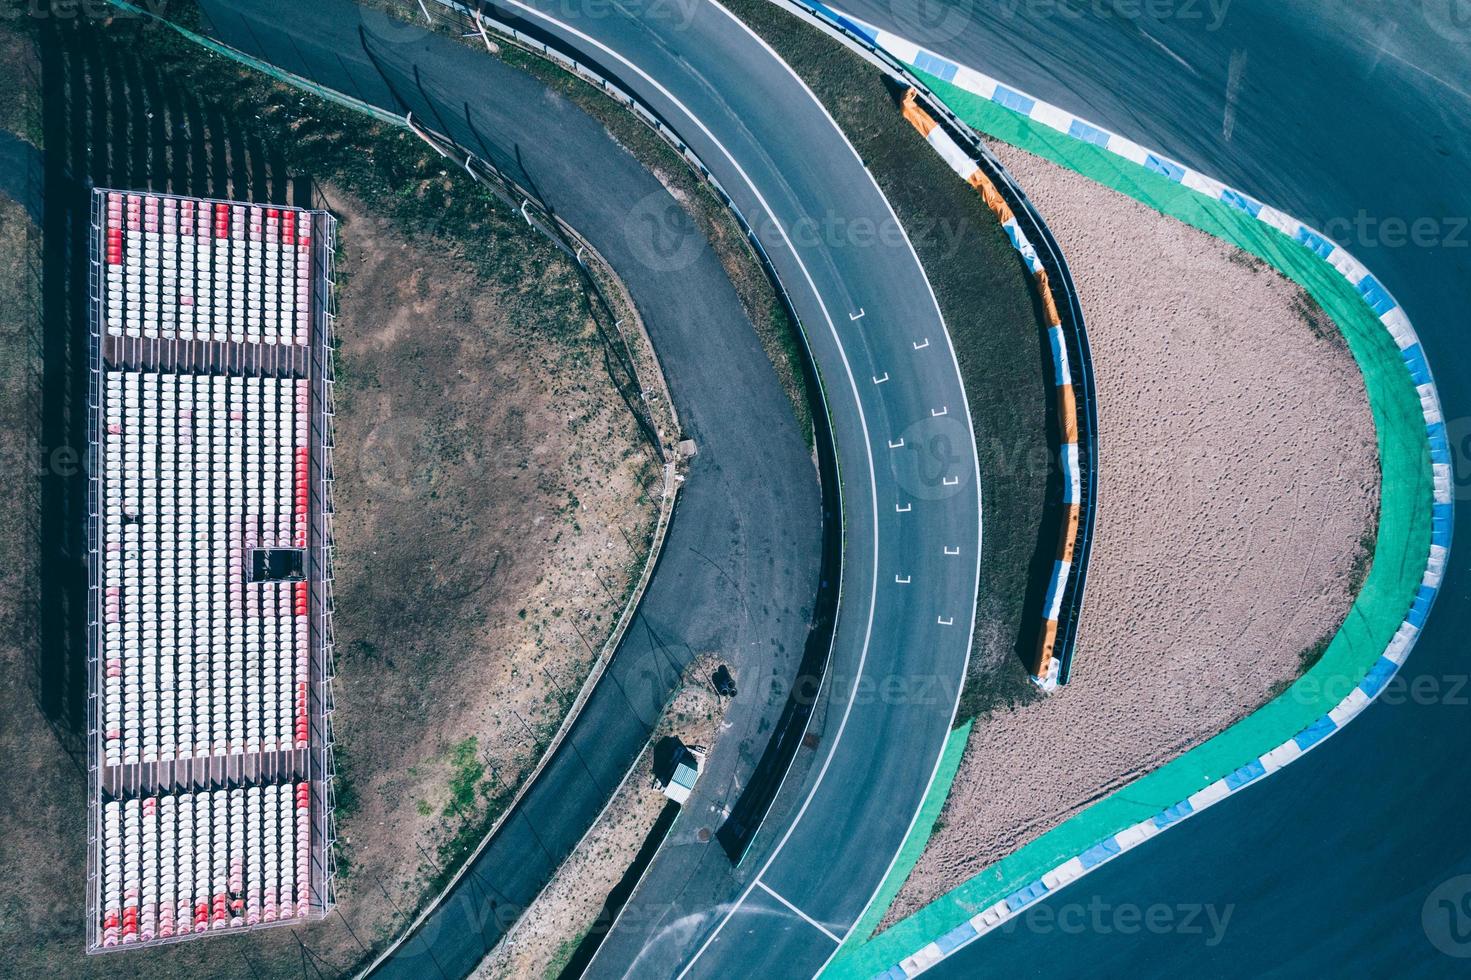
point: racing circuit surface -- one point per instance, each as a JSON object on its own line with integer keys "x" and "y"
{"x": 1356, "y": 121}
{"x": 739, "y": 570}
{"x": 911, "y": 550}
{"x": 1348, "y": 120}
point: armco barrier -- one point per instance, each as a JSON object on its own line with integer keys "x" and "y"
{"x": 1410, "y": 553}
{"x": 1045, "y": 667}
{"x": 1063, "y": 604}
{"x": 749, "y": 813}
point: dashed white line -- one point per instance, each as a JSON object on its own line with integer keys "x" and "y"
{"x": 863, "y": 423}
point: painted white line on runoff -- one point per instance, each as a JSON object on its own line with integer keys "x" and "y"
{"x": 802, "y": 915}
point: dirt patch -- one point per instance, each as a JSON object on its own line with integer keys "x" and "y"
{"x": 478, "y": 538}
{"x": 547, "y": 934}
{"x": 1238, "y": 489}
{"x": 774, "y": 328}
{"x": 494, "y": 501}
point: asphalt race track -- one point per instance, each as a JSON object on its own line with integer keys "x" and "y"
{"x": 911, "y": 543}
{"x": 1357, "y": 119}
{"x": 912, "y": 524}
{"x": 739, "y": 569}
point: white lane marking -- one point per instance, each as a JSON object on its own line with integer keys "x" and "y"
{"x": 902, "y": 579}
{"x": 862, "y": 423}
{"x": 857, "y": 316}
{"x": 800, "y": 914}
{"x": 903, "y": 508}
{"x": 942, "y": 410}
{"x": 946, "y": 621}
{"x": 951, "y": 481}
{"x": 976, "y": 468}
{"x": 878, "y": 381}
{"x": 952, "y": 551}
{"x": 896, "y": 443}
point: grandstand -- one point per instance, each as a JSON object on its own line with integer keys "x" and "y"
{"x": 210, "y": 547}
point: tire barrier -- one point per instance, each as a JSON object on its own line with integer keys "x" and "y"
{"x": 1063, "y": 602}
{"x": 1045, "y": 666}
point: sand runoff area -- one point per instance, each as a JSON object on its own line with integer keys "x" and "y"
{"x": 1237, "y": 488}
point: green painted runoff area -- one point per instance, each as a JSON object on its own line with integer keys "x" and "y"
{"x": 1400, "y": 553}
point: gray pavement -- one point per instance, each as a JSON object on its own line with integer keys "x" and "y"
{"x": 911, "y": 525}
{"x": 739, "y": 571}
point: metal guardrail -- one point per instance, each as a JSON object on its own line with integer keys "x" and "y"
{"x": 749, "y": 813}
{"x": 1075, "y": 329}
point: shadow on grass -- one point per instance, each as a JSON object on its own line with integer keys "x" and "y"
{"x": 108, "y": 119}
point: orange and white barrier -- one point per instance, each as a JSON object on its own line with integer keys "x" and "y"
{"x": 1045, "y": 666}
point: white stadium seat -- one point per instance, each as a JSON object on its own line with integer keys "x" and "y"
{"x": 204, "y": 686}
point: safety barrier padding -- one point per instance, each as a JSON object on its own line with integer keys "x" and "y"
{"x": 1044, "y": 666}
{"x": 1411, "y": 548}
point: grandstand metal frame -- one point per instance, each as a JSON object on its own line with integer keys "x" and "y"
{"x": 320, "y": 773}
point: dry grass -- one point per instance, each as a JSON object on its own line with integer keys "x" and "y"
{"x": 493, "y": 510}
{"x": 774, "y": 328}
